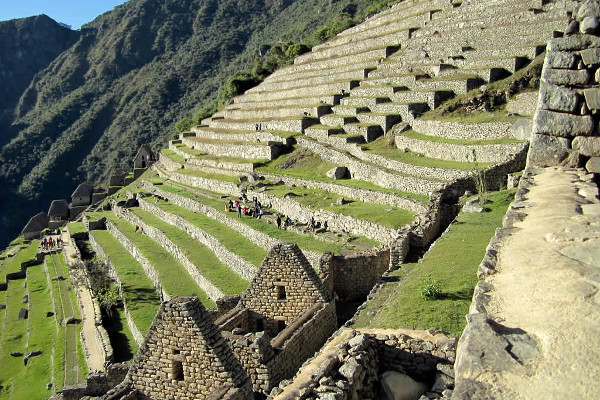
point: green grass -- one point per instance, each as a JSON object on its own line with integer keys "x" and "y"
{"x": 452, "y": 263}
{"x": 121, "y": 339}
{"x": 208, "y": 175}
{"x": 31, "y": 383}
{"x": 13, "y": 264}
{"x": 76, "y": 227}
{"x": 205, "y": 260}
{"x": 320, "y": 199}
{"x": 381, "y": 147}
{"x": 228, "y": 237}
{"x": 173, "y": 156}
{"x": 138, "y": 290}
{"x": 304, "y": 241}
{"x": 14, "y": 337}
{"x": 437, "y": 139}
{"x": 173, "y": 276}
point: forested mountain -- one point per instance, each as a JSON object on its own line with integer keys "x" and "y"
{"x": 125, "y": 79}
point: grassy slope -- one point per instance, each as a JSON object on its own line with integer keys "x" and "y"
{"x": 140, "y": 295}
{"x": 205, "y": 260}
{"x": 452, "y": 263}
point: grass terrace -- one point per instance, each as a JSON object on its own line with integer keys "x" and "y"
{"x": 138, "y": 290}
{"x": 76, "y": 227}
{"x": 230, "y": 238}
{"x": 205, "y": 260}
{"x": 173, "y": 156}
{"x": 174, "y": 278}
{"x": 437, "y": 139}
{"x": 319, "y": 199}
{"x": 13, "y": 264}
{"x": 304, "y": 241}
{"x": 121, "y": 339}
{"x": 451, "y": 265}
{"x": 382, "y": 147}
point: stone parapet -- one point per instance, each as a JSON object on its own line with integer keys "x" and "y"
{"x": 464, "y": 130}
{"x": 488, "y": 153}
{"x": 240, "y": 266}
{"x": 161, "y": 239}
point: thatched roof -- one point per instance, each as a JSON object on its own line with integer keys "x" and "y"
{"x": 83, "y": 190}
{"x": 59, "y": 208}
{"x": 37, "y": 223}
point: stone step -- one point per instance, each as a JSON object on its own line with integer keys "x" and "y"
{"x": 407, "y": 111}
{"x": 284, "y": 124}
{"x": 300, "y": 91}
{"x": 337, "y": 120}
{"x": 315, "y": 110}
{"x": 305, "y": 79}
{"x": 319, "y": 132}
{"x": 235, "y": 150}
{"x": 456, "y": 84}
{"x": 368, "y": 131}
{"x": 488, "y": 153}
{"x": 363, "y": 101}
{"x": 433, "y": 98}
{"x": 385, "y": 121}
{"x": 300, "y": 101}
{"x": 376, "y": 91}
{"x": 346, "y": 110}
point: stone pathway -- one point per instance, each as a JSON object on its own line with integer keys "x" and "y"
{"x": 545, "y": 296}
{"x": 92, "y": 349}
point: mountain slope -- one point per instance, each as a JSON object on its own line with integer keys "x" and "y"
{"x": 132, "y": 73}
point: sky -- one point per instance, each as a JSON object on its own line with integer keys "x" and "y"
{"x": 70, "y": 12}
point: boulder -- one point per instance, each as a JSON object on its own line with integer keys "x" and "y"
{"x": 558, "y": 99}
{"x": 49, "y": 314}
{"x": 23, "y": 313}
{"x": 589, "y": 25}
{"x": 587, "y": 146}
{"x": 397, "y": 386}
{"x": 589, "y": 8}
{"x": 593, "y": 165}
{"x": 26, "y": 299}
{"x": 16, "y": 354}
{"x": 572, "y": 29}
{"x": 512, "y": 181}
{"x": 473, "y": 206}
{"x": 521, "y": 129}
{"x": 545, "y": 151}
{"x": 524, "y": 103}
{"x": 242, "y": 178}
{"x": 338, "y": 173}
{"x": 70, "y": 320}
{"x": 341, "y": 201}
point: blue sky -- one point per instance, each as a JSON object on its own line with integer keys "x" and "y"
{"x": 71, "y": 12}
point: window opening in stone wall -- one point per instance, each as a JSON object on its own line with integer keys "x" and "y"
{"x": 281, "y": 295}
{"x": 177, "y": 370}
{"x": 280, "y": 325}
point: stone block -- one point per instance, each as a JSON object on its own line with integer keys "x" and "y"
{"x": 589, "y": 8}
{"x": 560, "y": 60}
{"x": 547, "y": 150}
{"x": 575, "y": 42}
{"x": 591, "y": 56}
{"x": 565, "y": 76}
{"x": 523, "y": 104}
{"x": 593, "y": 165}
{"x": 592, "y": 98}
{"x": 587, "y": 146}
{"x": 589, "y": 25}
{"x": 521, "y": 129}
{"x": 557, "y": 99}
{"x": 560, "y": 124}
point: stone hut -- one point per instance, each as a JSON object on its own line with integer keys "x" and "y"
{"x": 58, "y": 214}
{"x": 184, "y": 356}
{"x": 144, "y": 158}
{"x": 282, "y": 319}
{"x": 82, "y": 196}
{"x": 35, "y": 226}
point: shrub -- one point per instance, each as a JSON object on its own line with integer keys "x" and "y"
{"x": 430, "y": 290}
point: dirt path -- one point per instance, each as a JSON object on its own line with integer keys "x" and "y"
{"x": 92, "y": 349}
{"x": 547, "y": 285}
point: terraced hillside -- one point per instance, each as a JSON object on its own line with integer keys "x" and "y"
{"x": 341, "y": 152}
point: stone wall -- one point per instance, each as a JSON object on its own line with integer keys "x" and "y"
{"x": 251, "y": 151}
{"x": 205, "y": 183}
{"x": 112, "y": 272}
{"x": 353, "y": 276}
{"x": 565, "y": 126}
{"x": 185, "y": 355}
{"x": 463, "y": 130}
{"x": 162, "y": 240}
{"x": 168, "y": 163}
{"x": 232, "y": 260}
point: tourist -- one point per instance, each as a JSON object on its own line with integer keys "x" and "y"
{"x": 278, "y": 221}
{"x": 239, "y": 210}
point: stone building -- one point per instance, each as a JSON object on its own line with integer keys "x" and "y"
{"x": 35, "y": 226}
{"x": 282, "y": 319}
{"x": 144, "y": 158}
{"x": 82, "y": 196}
{"x": 58, "y": 214}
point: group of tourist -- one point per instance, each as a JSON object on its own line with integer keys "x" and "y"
{"x": 316, "y": 226}
{"x": 255, "y": 210}
{"x": 49, "y": 243}
{"x": 287, "y": 221}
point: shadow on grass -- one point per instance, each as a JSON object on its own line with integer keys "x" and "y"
{"x": 461, "y": 294}
{"x": 118, "y": 339}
